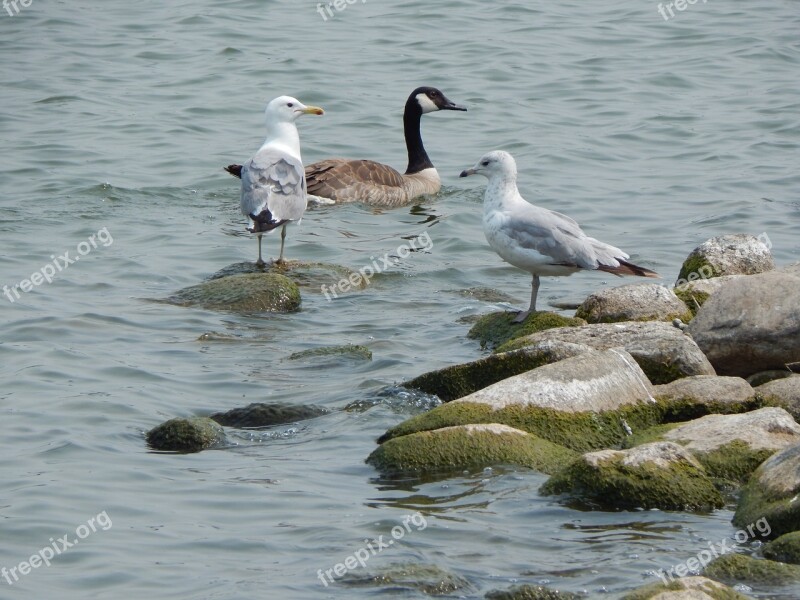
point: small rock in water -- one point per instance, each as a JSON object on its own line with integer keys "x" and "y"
{"x": 267, "y": 414}
{"x": 186, "y": 435}
{"x": 347, "y": 351}
{"x": 245, "y": 294}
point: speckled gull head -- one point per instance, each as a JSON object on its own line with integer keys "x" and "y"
{"x": 493, "y": 164}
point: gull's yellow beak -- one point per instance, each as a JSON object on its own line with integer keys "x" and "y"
{"x": 313, "y": 110}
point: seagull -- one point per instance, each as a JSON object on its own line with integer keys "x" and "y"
{"x": 538, "y": 240}
{"x": 273, "y": 181}
{"x": 340, "y": 180}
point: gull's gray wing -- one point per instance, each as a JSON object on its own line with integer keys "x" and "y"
{"x": 274, "y": 181}
{"x": 559, "y": 237}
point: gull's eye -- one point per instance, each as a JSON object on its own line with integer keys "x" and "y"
{"x": 485, "y": 163}
{"x": 290, "y": 105}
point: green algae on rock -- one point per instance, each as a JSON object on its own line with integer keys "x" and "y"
{"x": 186, "y": 435}
{"x": 346, "y": 351}
{"x": 267, "y": 414}
{"x": 717, "y": 394}
{"x": 424, "y": 578}
{"x": 531, "y": 592}
{"x": 686, "y": 588}
{"x": 307, "y": 275}
{"x": 785, "y": 549}
{"x": 497, "y": 328}
{"x": 658, "y": 475}
{"x": 739, "y": 568}
{"x": 733, "y": 254}
{"x": 244, "y": 294}
{"x": 456, "y": 448}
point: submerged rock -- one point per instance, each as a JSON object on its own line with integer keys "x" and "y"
{"x": 658, "y": 475}
{"x": 485, "y": 294}
{"x": 460, "y": 380}
{"x": 736, "y": 254}
{"x": 346, "y": 351}
{"x": 784, "y": 393}
{"x": 186, "y": 435}
{"x": 663, "y": 352}
{"x": 307, "y": 275}
{"x": 785, "y": 549}
{"x": 686, "y": 588}
{"x": 634, "y": 302}
{"x": 751, "y": 324}
{"x": 771, "y": 494}
{"x": 497, "y": 328}
{"x": 427, "y": 579}
{"x": 468, "y": 446}
{"x": 738, "y": 568}
{"x": 267, "y": 414}
{"x": 250, "y": 293}
{"x": 695, "y": 293}
{"x": 531, "y": 592}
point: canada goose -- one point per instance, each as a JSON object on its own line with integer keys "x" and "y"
{"x": 339, "y": 180}
{"x": 536, "y": 239}
{"x": 273, "y": 183}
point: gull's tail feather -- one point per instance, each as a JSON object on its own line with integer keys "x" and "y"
{"x": 626, "y": 268}
{"x": 263, "y": 221}
{"x": 235, "y": 170}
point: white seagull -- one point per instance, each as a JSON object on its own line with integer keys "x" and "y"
{"x": 273, "y": 181}
{"x": 535, "y": 239}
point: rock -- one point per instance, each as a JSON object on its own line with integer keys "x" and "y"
{"x": 485, "y": 294}
{"x": 663, "y": 352}
{"x": 634, "y": 302}
{"x": 738, "y": 568}
{"x": 733, "y": 446}
{"x": 250, "y": 293}
{"x": 785, "y": 549}
{"x": 531, "y": 592}
{"x": 771, "y": 494}
{"x": 497, "y": 328}
{"x": 686, "y": 588}
{"x": 762, "y": 377}
{"x": 659, "y": 475}
{"x": 267, "y": 414}
{"x": 307, "y": 275}
{"x": 346, "y": 351}
{"x": 405, "y": 579}
{"x": 737, "y": 254}
{"x": 784, "y": 393}
{"x": 584, "y": 403}
{"x": 717, "y": 394}
{"x": 460, "y": 380}
{"x": 695, "y": 293}
{"x": 793, "y": 269}
{"x": 751, "y": 324}
{"x": 186, "y": 435}
{"x": 468, "y": 446}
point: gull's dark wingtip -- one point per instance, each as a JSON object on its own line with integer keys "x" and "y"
{"x": 235, "y": 170}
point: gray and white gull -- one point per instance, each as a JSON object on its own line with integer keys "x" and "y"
{"x": 538, "y": 240}
{"x": 273, "y": 181}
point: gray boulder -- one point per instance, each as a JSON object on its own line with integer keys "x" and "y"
{"x": 736, "y": 254}
{"x": 784, "y": 393}
{"x": 751, "y": 324}
{"x": 695, "y": 293}
{"x": 686, "y": 588}
{"x": 718, "y": 393}
{"x": 634, "y": 302}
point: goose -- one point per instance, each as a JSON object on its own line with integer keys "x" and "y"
{"x": 273, "y": 180}
{"x": 339, "y": 180}
{"x": 538, "y": 240}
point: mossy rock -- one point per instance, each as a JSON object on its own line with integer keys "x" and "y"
{"x": 470, "y": 446}
{"x": 693, "y": 299}
{"x": 785, "y": 549}
{"x": 424, "y": 578}
{"x": 186, "y": 435}
{"x": 307, "y": 275}
{"x": 347, "y": 351}
{"x": 244, "y": 294}
{"x": 691, "y": 586}
{"x": 531, "y": 592}
{"x": 658, "y": 475}
{"x": 739, "y": 568}
{"x": 495, "y": 329}
{"x": 697, "y": 266}
{"x": 268, "y": 414}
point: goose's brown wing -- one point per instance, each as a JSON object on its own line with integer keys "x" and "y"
{"x": 353, "y": 180}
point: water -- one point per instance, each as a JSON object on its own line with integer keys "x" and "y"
{"x": 654, "y": 134}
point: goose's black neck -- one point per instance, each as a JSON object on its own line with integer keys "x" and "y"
{"x": 417, "y": 157}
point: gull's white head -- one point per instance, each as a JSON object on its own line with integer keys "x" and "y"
{"x": 285, "y": 109}
{"x": 494, "y": 164}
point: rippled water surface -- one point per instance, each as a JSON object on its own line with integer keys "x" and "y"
{"x": 654, "y": 134}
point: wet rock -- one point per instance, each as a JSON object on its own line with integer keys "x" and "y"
{"x": 464, "y": 446}
{"x": 660, "y": 475}
{"x": 267, "y": 414}
{"x": 737, "y": 254}
{"x": 695, "y": 293}
{"x": 458, "y": 381}
{"x": 531, "y": 592}
{"x": 497, "y": 328}
{"x": 717, "y": 394}
{"x": 771, "y": 494}
{"x": 425, "y": 578}
{"x": 759, "y": 379}
{"x": 751, "y": 324}
{"x": 635, "y": 302}
{"x": 307, "y": 275}
{"x": 785, "y": 549}
{"x": 738, "y": 568}
{"x": 250, "y": 293}
{"x": 186, "y": 435}
{"x": 346, "y": 351}
{"x": 686, "y": 588}
{"x": 663, "y": 352}
{"x": 784, "y": 393}
{"x": 485, "y": 294}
